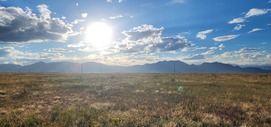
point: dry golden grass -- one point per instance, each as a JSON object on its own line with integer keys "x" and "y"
{"x": 55, "y": 99}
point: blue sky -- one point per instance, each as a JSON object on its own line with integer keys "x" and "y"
{"x": 143, "y": 31}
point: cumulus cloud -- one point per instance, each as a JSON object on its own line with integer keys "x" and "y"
{"x": 202, "y": 34}
{"x": 17, "y": 25}
{"x": 237, "y": 20}
{"x": 84, "y": 15}
{"x": 116, "y": 17}
{"x": 225, "y": 38}
{"x": 239, "y": 26}
{"x": 171, "y": 44}
{"x": 144, "y": 34}
{"x": 148, "y": 39}
{"x": 256, "y": 12}
{"x": 108, "y": 0}
{"x": 255, "y": 30}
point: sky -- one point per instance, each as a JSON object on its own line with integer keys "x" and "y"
{"x": 135, "y": 32}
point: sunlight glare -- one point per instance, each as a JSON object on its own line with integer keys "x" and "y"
{"x": 99, "y": 34}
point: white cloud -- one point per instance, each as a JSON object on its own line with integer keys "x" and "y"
{"x": 110, "y": 1}
{"x": 76, "y": 4}
{"x": 247, "y": 50}
{"x": 45, "y": 13}
{"x": 148, "y": 39}
{"x": 221, "y": 46}
{"x": 213, "y": 49}
{"x": 25, "y": 26}
{"x": 63, "y": 17}
{"x": 255, "y": 30}
{"x": 239, "y": 26}
{"x": 77, "y": 45}
{"x": 202, "y": 34}
{"x": 5, "y": 51}
{"x": 237, "y": 20}
{"x": 77, "y": 21}
{"x": 116, "y": 17}
{"x": 243, "y": 56}
{"x": 195, "y": 57}
{"x": 84, "y": 15}
{"x": 225, "y": 38}
{"x": 58, "y": 50}
{"x": 144, "y": 33}
{"x": 256, "y": 12}
{"x": 209, "y": 52}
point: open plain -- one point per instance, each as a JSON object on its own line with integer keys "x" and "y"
{"x": 135, "y": 99}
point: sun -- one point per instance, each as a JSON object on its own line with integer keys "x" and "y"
{"x": 99, "y": 34}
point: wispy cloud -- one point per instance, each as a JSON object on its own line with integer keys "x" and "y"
{"x": 225, "y": 38}
{"x": 255, "y": 30}
{"x": 256, "y": 12}
{"x": 239, "y": 26}
{"x": 110, "y": 1}
{"x": 76, "y": 45}
{"x": 5, "y": 51}
{"x": 116, "y": 17}
{"x": 237, "y": 20}
{"x": 202, "y": 34}
{"x": 247, "y": 50}
{"x": 195, "y": 57}
{"x": 177, "y": 1}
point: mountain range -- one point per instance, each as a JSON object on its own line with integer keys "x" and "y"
{"x": 159, "y": 67}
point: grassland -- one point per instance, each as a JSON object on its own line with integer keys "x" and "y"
{"x": 52, "y": 99}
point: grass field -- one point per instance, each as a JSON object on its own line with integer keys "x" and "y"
{"x": 127, "y": 100}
